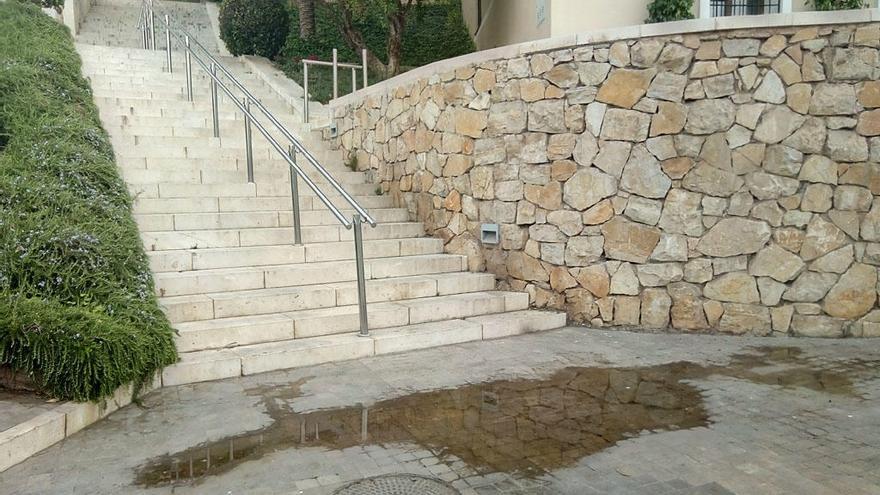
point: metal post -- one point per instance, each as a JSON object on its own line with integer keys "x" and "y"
{"x": 248, "y": 142}
{"x": 354, "y": 80}
{"x": 335, "y": 74}
{"x": 144, "y": 26}
{"x": 294, "y": 198}
{"x": 305, "y": 92}
{"x": 152, "y": 27}
{"x": 168, "y": 43}
{"x": 364, "y": 421}
{"x": 215, "y": 111}
{"x": 361, "y": 282}
{"x": 364, "y": 65}
{"x": 189, "y": 73}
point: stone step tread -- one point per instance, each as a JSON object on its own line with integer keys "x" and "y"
{"x": 247, "y": 204}
{"x": 245, "y": 330}
{"x": 272, "y": 236}
{"x": 208, "y": 306}
{"x": 328, "y": 312}
{"x": 176, "y": 260}
{"x": 246, "y": 360}
{"x": 302, "y": 274}
{"x": 320, "y": 265}
{"x": 171, "y": 222}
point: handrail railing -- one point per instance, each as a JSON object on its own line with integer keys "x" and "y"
{"x": 300, "y": 148}
{"x": 336, "y": 64}
{"x": 289, "y": 155}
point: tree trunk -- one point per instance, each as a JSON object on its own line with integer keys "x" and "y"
{"x": 396, "y": 22}
{"x": 306, "y": 18}
{"x": 356, "y": 41}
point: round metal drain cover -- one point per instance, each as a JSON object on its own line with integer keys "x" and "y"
{"x": 397, "y": 484}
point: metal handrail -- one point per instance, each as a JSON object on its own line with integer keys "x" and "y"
{"x": 288, "y": 155}
{"x": 300, "y": 148}
{"x": 335, "y": 64}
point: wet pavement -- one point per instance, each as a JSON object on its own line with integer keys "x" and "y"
{"x": 572, "y": 411}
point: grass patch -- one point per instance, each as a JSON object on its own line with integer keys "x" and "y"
{"x": 78, "y": 312}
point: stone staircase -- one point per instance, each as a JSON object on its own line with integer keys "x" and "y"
{"x": 242, "y": 296}
{"x": 114, "y": 23}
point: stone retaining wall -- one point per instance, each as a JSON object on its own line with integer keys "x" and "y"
{"x": 716, "y": 181}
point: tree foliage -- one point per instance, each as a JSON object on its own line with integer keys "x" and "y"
{"x": 669, "y": 10}
{"x": 434, "y": 31}
{"x": 254, "y": 27}
{"x": 838, "y": 4}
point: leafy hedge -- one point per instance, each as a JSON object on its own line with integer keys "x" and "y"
{"x": 434, "y": 31}
{"x": 77, "y": 308}
{"x": 839, "y": 4}
{"x": 669, "y": 10}
{"x": 254, "y": 27}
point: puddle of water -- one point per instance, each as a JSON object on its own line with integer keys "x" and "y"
{"x": 528, "y": 426}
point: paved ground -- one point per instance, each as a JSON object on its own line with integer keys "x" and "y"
{"x": 572, "y": 411}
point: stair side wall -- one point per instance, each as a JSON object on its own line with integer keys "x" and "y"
{"x": 705, "y": 176}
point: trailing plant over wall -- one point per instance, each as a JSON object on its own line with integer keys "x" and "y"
{"x": 838, "y": 4}
{"x": 77, "y": 309}
{"x": 254, "y": 27}
{"x": 669, "y": 10}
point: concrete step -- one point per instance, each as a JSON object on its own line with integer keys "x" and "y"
{"x": 251, "y": 220}
{"x": 330, "y": 160}
{"x": 208, "y": 259}
{"x": 272, "y": 236}
{"x": 232, "y": 140}
{"x": 277, "y": 172}
{"x": 241, "y": 190}
{"x": 113, "y": 118}
{"x": 248, "y": 330}
{"x": 286, "y": 299}
{"x": 144, "y": 205}
{"x": 170, "y": 284}
{"x": 246, "y": 360}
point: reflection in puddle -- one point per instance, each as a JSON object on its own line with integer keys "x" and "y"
{"x": 528, "y": 426}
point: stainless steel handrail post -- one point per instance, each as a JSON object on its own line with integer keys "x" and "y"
{"x": 364, "y": 65}
{"x": 305, "y": 92}
{"x": 214, "y": 107}
{"x": 152, "y": 27}
{"x": 361, "y": 279}
{"x": 189, "y": 73}
{"x": 168, "y": 43}
{"x": 354, "y": 80}
{"x": 287, "y": 135}
{"x": 144, "y": 24}
{"x": 335, "y": 74}
{"x": 248, "y": 140}
{"x": 294, "y": 198}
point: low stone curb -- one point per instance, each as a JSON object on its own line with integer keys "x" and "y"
{"x": 28, "y": 438}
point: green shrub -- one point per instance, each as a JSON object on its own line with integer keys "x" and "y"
{"x": 254, "y": 27}
{"x": 78, "y": 312}
{"x": 434, "y": 31}
{"x": 838, "y": 4}
{"x": 669, "y": 10}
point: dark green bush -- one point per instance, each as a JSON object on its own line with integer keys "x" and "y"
{"x": 254, "y": 27}
{"x": 838, "y": 4}
{"x": 434, "y": 31}
{"x": 669, "y": 10}
{"x": 77, "y": 306}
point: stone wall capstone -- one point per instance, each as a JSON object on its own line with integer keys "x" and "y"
{"x": 718, "y": 181}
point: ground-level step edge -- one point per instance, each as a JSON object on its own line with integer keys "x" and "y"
{"x": 248, "y": 360}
